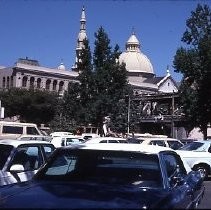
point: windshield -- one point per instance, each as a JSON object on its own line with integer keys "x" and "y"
{"x": 5, "y": 151}
{"x": 192, "y": 146}
{"x": 103, "y": 166}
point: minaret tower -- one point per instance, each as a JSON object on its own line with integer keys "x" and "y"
{"x": 81, "y": 36}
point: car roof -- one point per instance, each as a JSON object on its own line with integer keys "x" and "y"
{"x": 151, "y": 149}
{"x": 16, "y": 143}
{"x": 157, "y": 139}
{"x": 203, "y": 141}
{"x": 67, "y": 136}
{"x": 97, "y": 139}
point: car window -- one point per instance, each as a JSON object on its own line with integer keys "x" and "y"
{"x": 5, "y": 151}
{"x": 122, "y": 141}
{"x": 191, "y": 146}
{"x": 174, "y": 144}
{"x": 103, "y": 141}
{"x": 48, "y": 150}
{"x": 158, "y": 142}
{"x": 12, "y": 129}
{"x": 29, "y": 157}
{"x": 107, "y": 167}
{"x": 209, "y": 149}
{"x": 32, "y": 131}
{"x": 173, "y": 166}
{"x": 112, "y": 141}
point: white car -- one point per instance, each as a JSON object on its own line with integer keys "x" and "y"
{"x": 198, "y": 145}
{"x": 106, "y": 140}
{"x": 164, "y": 142}
{"x": 20, "y": 160}
{"x": 60, "y": 133}
{"x": 35, "y": 137}
{"x": 66, "y": 140}
{"x": 87, "y": 136}
{"x": 198, "y": 156}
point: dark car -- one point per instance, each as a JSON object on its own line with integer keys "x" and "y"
{"x": 108, "y": 176}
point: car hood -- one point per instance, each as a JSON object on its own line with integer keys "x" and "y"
{"x": 78, "y": 196}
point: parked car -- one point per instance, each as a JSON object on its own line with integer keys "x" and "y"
{"x": 199, "y": 145}
{"x": 14, "y": 130}
{"x": 60, "y": 133}
{"x": 164, "y": 142}
{"x": 198, "y": 156}
{"x": 35, "y": 137}
{"x": 20, "y": 160}
{"x": 108, "y": 176}
{"x": 66, "y": 140}
{"x": 106, "y": 140}
{"x": 187, "y": 141}
{"x": 87, "y": 136}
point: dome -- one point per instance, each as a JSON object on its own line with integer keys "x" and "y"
{"x": 134, "y": 59}
{"x": 61, "y": 66}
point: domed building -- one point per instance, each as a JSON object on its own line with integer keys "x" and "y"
{"x": 140, "y": 70}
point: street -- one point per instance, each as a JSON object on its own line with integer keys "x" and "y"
{"x": 206, "y": 202}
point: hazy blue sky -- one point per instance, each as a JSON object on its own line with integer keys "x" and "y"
{"x": 46, "y": 30}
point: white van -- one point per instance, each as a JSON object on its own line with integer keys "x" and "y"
{"x": 14, "y": 130}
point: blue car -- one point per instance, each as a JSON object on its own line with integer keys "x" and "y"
{"x": 108, "y": 176}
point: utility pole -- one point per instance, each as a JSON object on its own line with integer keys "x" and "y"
{"x": 128, "y": 116}
{"x": 172, "y": 117}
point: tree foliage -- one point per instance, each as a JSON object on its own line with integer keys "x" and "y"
{"x": 30, "y": 105}
{"x": 194, "y": 62}
{"x": 102, "y": 85}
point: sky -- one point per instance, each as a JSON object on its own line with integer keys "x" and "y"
{"x": 47, "y": 30}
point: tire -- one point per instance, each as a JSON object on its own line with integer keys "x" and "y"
{"x": 204, "y": 170}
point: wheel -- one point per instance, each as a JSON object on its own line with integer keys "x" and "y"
{"x": 204, "y": 171}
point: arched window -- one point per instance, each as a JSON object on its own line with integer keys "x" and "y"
{"x": 31, "y": 86}
{"x": 61, "y": 86}
{"x": 38, "y": 83}
{"x": 4, "y": 80}
{"x": 48, "y": 82}
{"x": 54, "y": 85}
{"x": 11, "y": 81}
{"x": 24, "y": 81}
{"x": 8, "y": 82}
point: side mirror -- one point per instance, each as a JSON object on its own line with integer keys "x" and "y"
{"x": 16, "y": 168}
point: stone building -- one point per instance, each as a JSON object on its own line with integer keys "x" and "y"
{"x": 28, "y": 73}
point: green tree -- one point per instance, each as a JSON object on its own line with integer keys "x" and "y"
{"x": 194, "y": 62}
{"x": 111, "y": 83}
{"x": 101, "y": 88}
{"x": 77, "y": 100}
{"x": 30, "y": 105}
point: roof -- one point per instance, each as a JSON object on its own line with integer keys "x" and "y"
{"x": 150, "y": 149}
{"x": 153, "y": 80}
{"x": 17, "y": 143}
{"x": 55, "y": 71}
{"x": 135, "y": 60}
{"x": 97, "y": 139}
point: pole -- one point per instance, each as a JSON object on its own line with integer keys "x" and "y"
{"x": 172, "y": 122}
{"x": 128, "y": 116}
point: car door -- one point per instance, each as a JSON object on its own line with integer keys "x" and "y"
{"x": 180, "y": 192}
{"x": 25, "y": 162}
{"x": 47, "y": 149}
